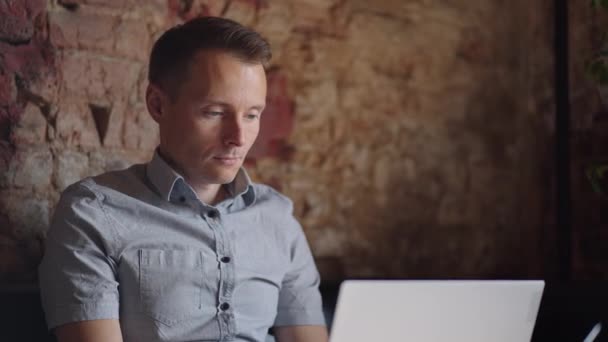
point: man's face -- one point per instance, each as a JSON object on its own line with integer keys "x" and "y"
{"x": 209, "y": 126}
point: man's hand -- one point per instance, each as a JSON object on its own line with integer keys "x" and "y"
{"x": 101, "y": 330}
{"x": 301, "y": 333}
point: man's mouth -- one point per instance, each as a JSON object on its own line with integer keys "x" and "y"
{"x": 227, "y": 160}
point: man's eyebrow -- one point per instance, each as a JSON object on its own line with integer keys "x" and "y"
{"x": 227, "y": 105}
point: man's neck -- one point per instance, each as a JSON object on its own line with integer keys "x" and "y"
{"x": 211, "y": 194}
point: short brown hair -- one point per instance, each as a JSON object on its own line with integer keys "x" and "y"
{"x": 173, "y": 51}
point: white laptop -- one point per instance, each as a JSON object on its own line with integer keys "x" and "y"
{"x": 436, "y": 311}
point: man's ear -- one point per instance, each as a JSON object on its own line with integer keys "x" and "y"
{"x": 155, "y": 101}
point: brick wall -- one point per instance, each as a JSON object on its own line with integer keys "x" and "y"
{"x": 415, "y": 137}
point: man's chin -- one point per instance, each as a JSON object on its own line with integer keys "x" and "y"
{"x": 224, "y": 176}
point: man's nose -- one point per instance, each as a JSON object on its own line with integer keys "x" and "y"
{"x": 233, "y": 132}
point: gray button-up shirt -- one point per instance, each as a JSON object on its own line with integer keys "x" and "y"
{"x": 138, "y": 245}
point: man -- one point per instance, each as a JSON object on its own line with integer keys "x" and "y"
{"x": 186, "y": 248}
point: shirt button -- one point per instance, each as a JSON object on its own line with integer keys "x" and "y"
{"x": 182, "y": 199}
{"x": 225, "y": 259}
{"x": 224, "y": 306}
{"x": 213, "y": 214}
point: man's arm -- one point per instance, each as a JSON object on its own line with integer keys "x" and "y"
{"x": 99, "y": 330}
{"x": 78, "y": 280}
{"x": 300, "y": 315}
{"x": 301, "y": 333}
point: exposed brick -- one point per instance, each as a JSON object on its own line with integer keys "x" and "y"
{"x": 75, "y": 126}
{"x": 27, "y": 62}
{"x": 119, "y": 76}
{"x": 28, "y": 215}
{"x": 376, "y": 84}
{"x": 141, "y": 131}
{"x": 16, "y": 24}
{"x": 276, "y": 122}
{"x": 31, "y": 129}
{"x": 153, "y": 11}
{"x": 242, "y": 12}
{"x": 63, "y": 26}
{"x": 77, "y": 78}
{"x": 133, "y": 6}
{"x": 311, "y": 15}
{"x": 71, "y": 166}
{"x": 31, "y": 168}
{"x": 16, "y": 30}
{"x": 8, "y": 89}
{"x": 142, "y": 85}
{"x": 126, "y": 6}
{"x": 97, "y": 32}
{"x": 274, "y": 23}
{"x": 186, "y": 10}
{"x": 374, "y": 34}
{"x": 83, "y": 30}
{"x": 43, "y": 90}
{"x": 114, "y": 133}
{"x": 132, "y": 39}
{"x": 7, "y": 151}
{"x": 99, "y": 79}
{"x": 320, "y": 97}
{"x": 22, "y": 61}
{"x": 104, "y": 3}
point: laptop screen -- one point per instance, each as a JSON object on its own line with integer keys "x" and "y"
{"x": 430, "y": 311}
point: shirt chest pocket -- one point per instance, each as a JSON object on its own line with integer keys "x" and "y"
{"x": 170, "y": 284}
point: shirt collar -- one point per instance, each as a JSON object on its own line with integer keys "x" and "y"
{"x": 165, "y": 178}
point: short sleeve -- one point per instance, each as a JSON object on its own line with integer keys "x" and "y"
{"x": 77, "y": 276}
{"x": 299, "y": 298}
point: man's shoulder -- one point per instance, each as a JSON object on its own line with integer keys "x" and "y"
{"x": 126, "y": 181}
{"x": 266, "y": 195}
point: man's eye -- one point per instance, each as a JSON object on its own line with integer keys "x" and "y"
{"x": 252, "y": 116}
{"x": 212, "y": 113}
